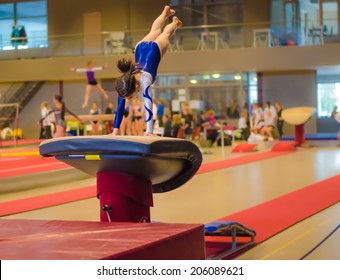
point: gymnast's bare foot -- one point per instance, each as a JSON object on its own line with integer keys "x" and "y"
{"x": 168, "y": 11}
{"x": 84, "y": 105}
{"x": 178, "y": 22}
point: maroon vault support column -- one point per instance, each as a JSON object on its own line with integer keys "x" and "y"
{"x": 128, "y": 198}
{"x": 300, "y": 134}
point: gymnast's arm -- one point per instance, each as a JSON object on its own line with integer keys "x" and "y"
{"x": 79, "y": 70}
{"x": 74, "y": 115}
{"x": 49, "y": 113}
{"x": 119, "y": 115}
{"x": 94, "y": 69}
{"x": 145, "y": 85}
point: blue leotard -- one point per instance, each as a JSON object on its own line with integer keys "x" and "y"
{"x": 147, "y": 57}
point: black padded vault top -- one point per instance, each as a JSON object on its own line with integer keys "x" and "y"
{"x": 167, "y": 162}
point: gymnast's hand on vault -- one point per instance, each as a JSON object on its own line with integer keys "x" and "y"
{"x": 115, "y": 132}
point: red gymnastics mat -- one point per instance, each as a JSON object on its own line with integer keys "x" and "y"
{"x": 212, "y": 166}
{"x": 47, "y": 200}
{"x": 276, "y": 215}
{"x": 38, "y": 202}
{"x": 16, "y": 166}
{"x": 7, "y": 143}
{"x": 75, "y": 240}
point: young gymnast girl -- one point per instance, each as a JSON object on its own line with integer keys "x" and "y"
{"x": 59, "y": 113}
{"x": 91, "y": 81}
{"x": 141, "y": 74}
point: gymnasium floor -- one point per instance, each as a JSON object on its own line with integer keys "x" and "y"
{"x": 212, "y": 195}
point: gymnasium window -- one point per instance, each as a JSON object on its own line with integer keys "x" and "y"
{"x": 6, "y": 22}
{"x": 23, "y": 25}
{"x": 328, "y": 96}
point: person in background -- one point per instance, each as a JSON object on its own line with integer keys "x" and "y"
{"x": 91, "y": 81}
{"x": 45, "y": 125}
{"x": 208, "y": 126}
{"x": 109, "y": 124}
{"x": 211, "y": 116}
{"x": 176, "y": 124}
{"x": 279, "y": 121}
{"x": 269, "y": 121}
{"x": 160, "y": 112}
{"x": 126, "y": 125}
{"x": 95, "y": 123}
{"x": 245, "y": 109}
{"x": 187, "y": 115}
{"x": 257, "y": 119}
{"x": 243, "y": 126}
{"x": 167, "y": 126}
{"x": 138, "y": 112}
{"x": 59, "y": 113}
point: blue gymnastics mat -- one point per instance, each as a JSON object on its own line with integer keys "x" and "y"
{"x": 313, "y": 136}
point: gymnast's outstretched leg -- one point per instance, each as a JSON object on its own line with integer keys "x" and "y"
{"x": 102, "y": 91}
{"x": 163, "y": 40}
{"x": 87, "y": 95}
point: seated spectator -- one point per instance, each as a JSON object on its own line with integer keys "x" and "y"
{"x": 269, "y": 121}
{"x": 208, "y": 125}
{"x": 176, "y": 124}
{"x": 243, "y": 126}
{"x": 256, "y": 118}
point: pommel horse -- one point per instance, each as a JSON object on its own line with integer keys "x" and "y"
{"x": 298, "y": 116}
{"x": 128, "y": 169}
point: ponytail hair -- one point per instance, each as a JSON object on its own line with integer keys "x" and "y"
{"x": 59, "y": 98}
{"x": 126, "y": 84}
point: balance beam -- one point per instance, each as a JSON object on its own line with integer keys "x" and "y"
{"x": 88, "y": 118}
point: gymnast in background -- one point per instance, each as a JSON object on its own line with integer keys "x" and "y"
{"x": 139, "y": 75}
{"x": 59, "y": 114}
{"x": 91, "y": 81}
{"x": 95, "y": 123}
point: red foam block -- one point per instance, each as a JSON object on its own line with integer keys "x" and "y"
{"x": 282, "y": 146}
{"x": 244, "y": 147}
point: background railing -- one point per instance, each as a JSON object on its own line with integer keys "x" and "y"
{"x": 204, "y": 37}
